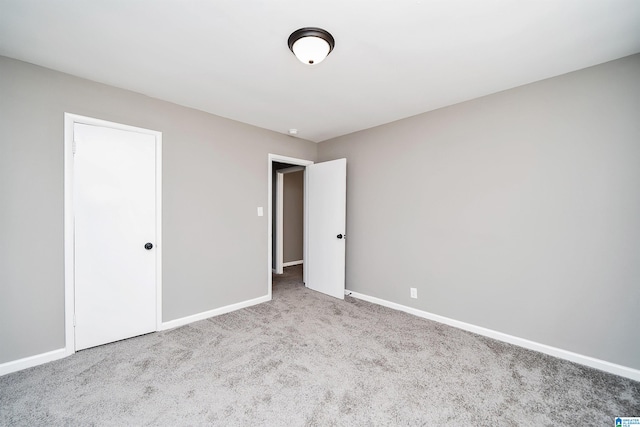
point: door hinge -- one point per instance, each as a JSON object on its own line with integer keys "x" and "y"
{"x": 74, "y": 320}
{"x": 74, "y": 146}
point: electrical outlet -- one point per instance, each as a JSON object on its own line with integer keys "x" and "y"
{"x": 414, "y": 293}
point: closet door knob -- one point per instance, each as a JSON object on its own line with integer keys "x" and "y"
{"x": 148, "y": 246}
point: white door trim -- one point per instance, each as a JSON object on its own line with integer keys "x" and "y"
{"x": 69, "y": 261}
{"x": 279, "y": 232}
{"x": 293, "y": 161}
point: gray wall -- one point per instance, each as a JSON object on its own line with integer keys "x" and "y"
{"x": 518, "y": 212}
{"x": 214, "y": 177}
{"x": 293, "y": 217}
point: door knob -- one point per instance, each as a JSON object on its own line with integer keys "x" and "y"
{"x": 339, "y": 236}
{"x": 148, "y": 246}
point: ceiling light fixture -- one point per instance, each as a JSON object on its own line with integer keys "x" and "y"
{"x": 311, "y": 45}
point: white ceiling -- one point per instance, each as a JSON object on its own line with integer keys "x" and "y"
{"x": 393, "y": 58}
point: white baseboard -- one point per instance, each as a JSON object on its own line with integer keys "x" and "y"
{"x": 592, "y": 362}
{"x": 39, "y": 359}
{"x": 211, "y": 313}
{"x": 290, "y": 263}
{"x": 31, "y": 361}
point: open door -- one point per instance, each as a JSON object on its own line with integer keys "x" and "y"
{"x": 326, "y": 191}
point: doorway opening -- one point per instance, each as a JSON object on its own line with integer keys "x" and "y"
{"x": 279, "y": 167}
{"x": 325, "y": 186}
{"x": 288, "y": 216}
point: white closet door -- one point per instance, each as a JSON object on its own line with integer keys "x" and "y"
{"x": 115, "y": 217}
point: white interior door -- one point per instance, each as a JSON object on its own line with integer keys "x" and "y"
{"x": 115, "y": 217}
{"x": 326, "y": 226}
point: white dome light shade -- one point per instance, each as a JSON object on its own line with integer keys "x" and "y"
{"x": 311, "y": 50}
{"x": 311, "y": 45}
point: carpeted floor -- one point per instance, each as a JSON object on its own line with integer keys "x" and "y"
{"x": 308, "y": 359}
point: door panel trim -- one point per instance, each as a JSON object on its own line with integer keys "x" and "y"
{"x": 69, "y": 249}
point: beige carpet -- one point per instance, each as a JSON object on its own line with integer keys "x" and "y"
{"x": 308, "y": 359}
